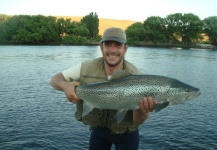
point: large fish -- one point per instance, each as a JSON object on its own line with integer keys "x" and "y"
{"x": 123, "y": 92}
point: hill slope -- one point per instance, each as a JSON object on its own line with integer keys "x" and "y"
{"x": 104, "y": 23}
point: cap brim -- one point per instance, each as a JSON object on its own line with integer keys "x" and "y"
{"x": 113, "y": 39}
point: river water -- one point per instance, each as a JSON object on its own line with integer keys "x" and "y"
{"x": 34, "y": 116}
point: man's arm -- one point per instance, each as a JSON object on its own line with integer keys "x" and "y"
{"x": 146, "y": 105}
{"x": 58, "y": 82}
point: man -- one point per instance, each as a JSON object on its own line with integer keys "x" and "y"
{"x": 105, "y": 129}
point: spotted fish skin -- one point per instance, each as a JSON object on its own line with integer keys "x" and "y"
{"x": 124, "y": 93}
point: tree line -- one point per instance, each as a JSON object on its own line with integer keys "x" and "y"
{"x": 177, "y": 28}
{"x": 39, "y": 29}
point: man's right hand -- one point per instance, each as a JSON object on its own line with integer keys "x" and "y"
{"x": 69, "y": 90}
{"x": 58, "y": 82}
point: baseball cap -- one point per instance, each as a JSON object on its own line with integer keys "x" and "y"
{"x": 114, "y": 34}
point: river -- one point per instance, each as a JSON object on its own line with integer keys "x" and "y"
{"x": 34, "y": 116}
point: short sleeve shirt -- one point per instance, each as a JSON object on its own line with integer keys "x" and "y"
{"x": 72, "y": 73}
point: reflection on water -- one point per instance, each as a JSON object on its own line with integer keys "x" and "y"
{"x": 34, "y": 116}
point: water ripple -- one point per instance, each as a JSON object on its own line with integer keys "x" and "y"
{"x": 34, "y": 116}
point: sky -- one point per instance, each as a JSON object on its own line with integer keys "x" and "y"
{"x": 135, "y": 10}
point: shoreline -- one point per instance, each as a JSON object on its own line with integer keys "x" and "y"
{"x": 177, "y": 46}
{"x": 158, "y": 45}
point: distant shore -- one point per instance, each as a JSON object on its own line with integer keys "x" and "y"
{"x": 168, "y": 45}
{"x": 154, "y": 45}
{"x": 179, "y": 46}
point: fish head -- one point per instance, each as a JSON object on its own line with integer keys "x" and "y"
{"x": 180, "y": 92}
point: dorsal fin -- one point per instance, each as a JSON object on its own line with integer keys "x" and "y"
{"x": 120, "y": 74}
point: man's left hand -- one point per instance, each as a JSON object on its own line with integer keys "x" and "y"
{"x": 146, "y": 105}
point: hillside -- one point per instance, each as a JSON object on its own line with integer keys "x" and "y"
{"x": 104, "y": 23}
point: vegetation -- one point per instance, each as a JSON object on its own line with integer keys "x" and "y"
{"x": 174, "y": 30}
{"x": 211, "y": 28}
{"x": 38, "y": 29}
{"x": 91, "y": 21}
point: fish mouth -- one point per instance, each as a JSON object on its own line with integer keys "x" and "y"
{"x": 194, "y": 95}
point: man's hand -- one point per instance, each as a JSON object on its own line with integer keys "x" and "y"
{"x": 58, "y": 82}
{"x": 69, "y": 90}
{"x": 146, "y": 105}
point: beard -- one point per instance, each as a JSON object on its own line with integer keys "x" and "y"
{"x": 113, "y": 64}
{"x": 113, "y": 59}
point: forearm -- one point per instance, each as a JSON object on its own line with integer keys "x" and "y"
{"x": 139, "y": 117}
{"x": 58, "y": 82}
{"x": 146, "y": 105}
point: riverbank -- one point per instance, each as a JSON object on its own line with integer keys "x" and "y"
{"x": 169, "y": 45}
{"x": 158, "y": 45}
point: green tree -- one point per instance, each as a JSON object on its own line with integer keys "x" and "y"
{"x": 211, "y": 28}
{"x": 66, "y": 28}
{"x": 70, "y": 26}
{"x": 74, "y": 40}
{"x": 81, "y": 30}
{"x": 135, "y": 32}
{"x": 36, "y": 30}
{"x": 8, "y": 29}
{"x": 3, "y": 17}
{"x": 186, "y": 27}
{"x": 91, "y": 21}
{"x": 74, "y": 32}
{"x": 60, "y": 28}
{"x": 25, "y": 29}
{"x": 155, "y": 29}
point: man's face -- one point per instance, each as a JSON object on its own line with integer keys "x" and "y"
{"x": 113, "y": 52}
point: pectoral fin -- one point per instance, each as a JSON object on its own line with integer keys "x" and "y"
{"x": 87, "y": 108}
{"x": 119, "y": 116}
